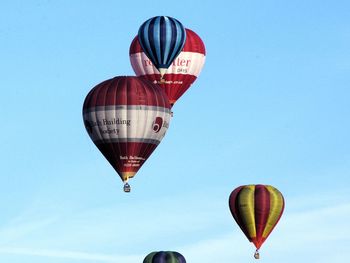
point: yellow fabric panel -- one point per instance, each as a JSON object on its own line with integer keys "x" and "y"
{"x": 246, "y": 209}
{"x": 276, "y": 206}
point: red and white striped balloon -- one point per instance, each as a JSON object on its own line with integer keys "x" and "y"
{"x": 126, "y": 118}
{"x": 180, "y": 75}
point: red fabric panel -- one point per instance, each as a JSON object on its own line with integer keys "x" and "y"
{"x": 126, "y": 91}
{"x": 193, "y": 43}
{"x": 173, "y": 90}
{"x": 262, "y": 210}
{"x": 115, "y": 153}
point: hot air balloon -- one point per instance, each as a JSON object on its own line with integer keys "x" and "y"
{"x": 126, "y": 118}
{"x": 164, "y": 257}
{"x": 256, "y": 209}
{"x": 182, "y": 72}
{"x": 162, "y": 39}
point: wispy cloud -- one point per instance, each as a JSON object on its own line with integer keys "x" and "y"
{"x": 20, "y": 228}
{"x": 73, "y": 255}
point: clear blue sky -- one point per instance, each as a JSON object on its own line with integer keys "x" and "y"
{"x": 271, "y": 106}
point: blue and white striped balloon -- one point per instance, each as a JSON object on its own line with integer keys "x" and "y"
{"x": 162, "y": 39}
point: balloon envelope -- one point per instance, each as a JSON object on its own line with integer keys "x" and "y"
{"x": 126, "y": 118}
{"x": 162, "y": 39}
{"x": 256, "y": 209}
{"x": 164, "y": 257}
{"x": 182, "y": 72}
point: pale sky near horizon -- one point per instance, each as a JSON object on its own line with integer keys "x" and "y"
{"x": 271, "y": 106}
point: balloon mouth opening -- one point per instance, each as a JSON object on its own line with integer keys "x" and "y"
{"x": 162, "y": 72}
{"x": 125, "y": 176}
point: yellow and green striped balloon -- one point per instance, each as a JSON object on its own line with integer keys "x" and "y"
{"x": 256, "y": 209}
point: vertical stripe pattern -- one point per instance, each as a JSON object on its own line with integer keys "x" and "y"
{"x": 164, "y": 257}
{"x": 256, "y": 209}
{"x": 162, "y": 39}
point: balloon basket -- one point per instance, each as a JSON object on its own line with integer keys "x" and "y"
{"x": 127, "y": 188}
{"x": 256, "y": 254}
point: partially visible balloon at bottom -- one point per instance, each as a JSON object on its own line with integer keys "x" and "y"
{"x": 164, "y": 257}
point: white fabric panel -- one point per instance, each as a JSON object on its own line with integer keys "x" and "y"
{"x": 134, "y": 124}
{"x": 186, "y": 63}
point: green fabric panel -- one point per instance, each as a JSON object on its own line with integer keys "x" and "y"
{"x": 246, "y": 209}
{"x": 149, "y": 257}
{"x": 171, "y": 258}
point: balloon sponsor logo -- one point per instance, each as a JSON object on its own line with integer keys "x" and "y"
{"x": 132, "y": 161}
{"x": 179, "y": 82}
{"x": 89, "y": 125}
{"x": 116, "y": 121}
{"x": 187, "y": 63}
{"x": 104, "y": 122}
{"x": 157, "y": 124}
{"x": 179, "y": 62}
